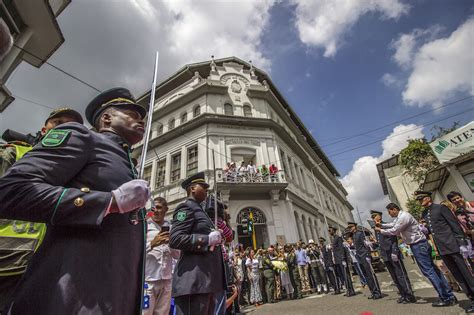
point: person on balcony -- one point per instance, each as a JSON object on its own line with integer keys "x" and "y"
{"x": 273, "y": 172}
{"x": 265, "y": 172}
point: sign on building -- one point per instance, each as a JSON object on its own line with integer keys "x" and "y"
{"x": 455, "y": 143}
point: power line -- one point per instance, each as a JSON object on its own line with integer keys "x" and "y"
{"x": 399, "y": 134}
{"x": 396, "y": 122}
{"x": 32, "y": 102}
{"x": 57, "y": 68}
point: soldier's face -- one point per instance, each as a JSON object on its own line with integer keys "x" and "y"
{"x": 56, "y": 121}
{"x": 199, "y": 193}
{"x": 128, "y": 124}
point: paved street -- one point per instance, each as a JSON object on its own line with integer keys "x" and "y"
{"x": 359, "y": 304}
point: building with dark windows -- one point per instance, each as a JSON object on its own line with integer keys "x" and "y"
{"x": 269, "y": 169}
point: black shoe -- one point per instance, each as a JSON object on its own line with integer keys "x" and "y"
{"x": 470, "y": 310}
{"x": 349, "y": 294}
{"x": 410, "y": 299}
{"x": 441, "y": 303}
{"x": 370, "y": 297}
{"x": 377, "y": 296}
{"x": 453, "y": 300}
{"x": 401, "y": 300}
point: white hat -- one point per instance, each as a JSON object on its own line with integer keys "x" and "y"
{"x": 310, "y": 241}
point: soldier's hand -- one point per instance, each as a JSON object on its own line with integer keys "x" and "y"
{"x": 378, "y": 224}
{"x": 130, "y": 196}
{"x": 215, "y": 238}
{"x": 161, "y": 238}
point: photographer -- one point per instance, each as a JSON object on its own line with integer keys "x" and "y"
{"x": 159, "y": 260}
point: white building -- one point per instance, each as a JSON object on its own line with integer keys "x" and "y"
{"x": 36, "y": 36}
{"x": 229, "y": 107}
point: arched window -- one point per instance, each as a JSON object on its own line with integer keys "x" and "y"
{"x": 228, "y": 110}
{"x": 184, "y": 117}
{"x": 197, "y": 111}
{"x": 160, "y": 129}
{"x": 171, "y": 124}
{"x": 247, "y": 111}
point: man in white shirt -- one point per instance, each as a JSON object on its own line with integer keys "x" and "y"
{"x": 409, "y": 230}
{"x": 159, "y": 260}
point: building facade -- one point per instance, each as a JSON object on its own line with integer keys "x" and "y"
{"x": 221, "y": 111}
{"x": 36, "y": 36}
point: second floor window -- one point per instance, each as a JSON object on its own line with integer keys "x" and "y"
{"x": 228, "y": 110}
{"x": 160, "y": 173}
{"x": 160, "y": 129}
{"x": 247, "y": 111}
{"x": 192, "y": 160}
{"x": 184, "y": 117}
{"x": 171, "y": 124}
{"x": 175, "y": 167}
{"x": 197, "y": 111}
{"x": 147, "y": 173}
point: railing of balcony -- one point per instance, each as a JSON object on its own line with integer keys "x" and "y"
{"x": 247, "y": 177}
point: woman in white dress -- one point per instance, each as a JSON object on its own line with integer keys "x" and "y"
{"x": 254, "y": 276}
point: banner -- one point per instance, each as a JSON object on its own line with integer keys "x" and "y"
{"x": 454, "y": 144}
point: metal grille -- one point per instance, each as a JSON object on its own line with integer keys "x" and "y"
{"x": 258, "y": 216}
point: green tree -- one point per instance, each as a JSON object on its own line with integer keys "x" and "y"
{"x": 417, "y": 159}
{"x": 414, "y": 208}
{"x": 438, "y": 131}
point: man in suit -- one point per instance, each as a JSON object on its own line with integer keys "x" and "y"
{"x": 450, "y": 241}
{"x": 338, "y": 256}
{"x": 364, "y": 258}
{"x": 199, "y": 274}
{"x": 392, "y": 257}
{"x": 328, "y": 261}
{"x": 83, "y": 185}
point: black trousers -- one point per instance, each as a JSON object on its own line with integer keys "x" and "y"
{"x": 340, "y": 274}
{"x": 333, "y": 279}
{"x": 203, "y": 304}
{"x": 348, "y": 277}
{"x": 397, "y": 272}
{"x": 369, "y": 274}
{"x": 458, "y": 268}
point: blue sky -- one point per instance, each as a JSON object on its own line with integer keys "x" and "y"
{"x": 344, "y": 66}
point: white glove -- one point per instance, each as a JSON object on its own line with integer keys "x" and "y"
{"x": 464, "y": 250}
{"x": 394, "y": 257}
{"x": 368, "y": 259}
{"x": 132, "y": 195}
{"x": 215, "y": 238}
{"x": 344, "y": 264}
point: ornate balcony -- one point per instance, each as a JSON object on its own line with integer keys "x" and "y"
{"x": 250, "y": 182}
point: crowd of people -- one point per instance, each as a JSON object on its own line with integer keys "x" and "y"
{"x": 250, "y": 173}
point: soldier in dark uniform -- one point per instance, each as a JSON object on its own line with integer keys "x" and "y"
{"x": 199, "y": 274}
{"x": 364, "y": 258}
{"x": 338, "y": 256}
{"x": 346, "y": 264}
{"x": 294, "y": 274}
{"x": 326, "y": 251}
{"x": 82, "y": 184}
{"x": 450, "y": 241}
{"x": 393, "y": 260}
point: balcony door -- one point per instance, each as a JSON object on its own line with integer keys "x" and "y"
{"x": 246, "y": 155}
{"x": 259, "y": 228}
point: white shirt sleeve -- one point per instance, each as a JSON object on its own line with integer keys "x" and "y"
{"x": 398, "y": 226}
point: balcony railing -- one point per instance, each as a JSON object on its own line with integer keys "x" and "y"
{"x": 246, "y": 177}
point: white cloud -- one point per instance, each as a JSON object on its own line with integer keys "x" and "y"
{"x": 442, "y": 68}
{"x": 406, "y": 44}
{"x": 389, "y": 80}
{"x": 113, "y": 43}
{"x": 362, "y": 182}
{"x": 323, "y": 23}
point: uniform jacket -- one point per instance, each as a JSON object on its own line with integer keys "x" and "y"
{"x": 86, "y": 263}
{"x": 388, "y": 245}
{"x": 338, "y": 249}
{"x": 198, "y": 270}
{"x": 445, "y": 229}
{"x": 362, "y": 250}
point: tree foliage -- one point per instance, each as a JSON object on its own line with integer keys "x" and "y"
{"x": 438, "y": 131}
{"x": 417, "y": 159}
{"x": 414, "y": 208}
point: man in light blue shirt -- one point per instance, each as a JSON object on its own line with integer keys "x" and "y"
{"x": 302, "y": 262}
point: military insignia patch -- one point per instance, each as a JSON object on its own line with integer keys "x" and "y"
{"x": 180, "y": 216}
{"x": 55, "y": 137}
